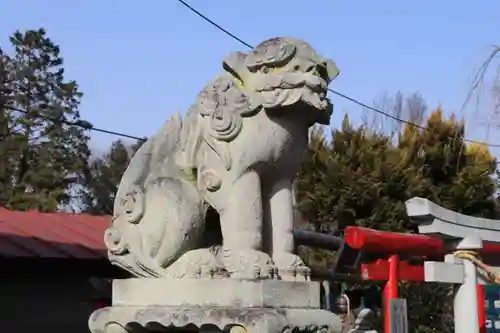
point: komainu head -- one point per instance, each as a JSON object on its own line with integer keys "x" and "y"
{"x": 282, "y": 72}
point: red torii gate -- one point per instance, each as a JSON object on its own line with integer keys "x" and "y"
{"x": 393, "y": 268}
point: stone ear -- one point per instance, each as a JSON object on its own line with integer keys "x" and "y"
{"x": 235, "y": 63}
{"x": 331, "y": 69}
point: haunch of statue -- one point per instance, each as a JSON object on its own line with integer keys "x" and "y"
{"x": 237, "y": 152}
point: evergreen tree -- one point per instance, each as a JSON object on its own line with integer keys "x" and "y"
{"x": 6, "y": 135}
{"x": 363, "y": 178}
{"x": 43, "y": 154}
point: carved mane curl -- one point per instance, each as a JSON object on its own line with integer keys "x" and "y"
{"x": 216, "y": 118}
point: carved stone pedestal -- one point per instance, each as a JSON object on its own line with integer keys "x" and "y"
{"x": 267, "y": 306}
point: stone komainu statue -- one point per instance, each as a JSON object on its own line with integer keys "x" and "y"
{"x": 237, "y": 152}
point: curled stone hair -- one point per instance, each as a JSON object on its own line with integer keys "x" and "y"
{"x": 223, "y": 105}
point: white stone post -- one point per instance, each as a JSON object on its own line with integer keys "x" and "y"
{"x": 465, "y": 303}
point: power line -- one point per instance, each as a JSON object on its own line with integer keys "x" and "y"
{"x": 80, "y": 123}
{"x": 353, "y": 100}
{"x": 216, "y": 25}
{"x": 87, "y": 126}
{"x": 406, "y": 121}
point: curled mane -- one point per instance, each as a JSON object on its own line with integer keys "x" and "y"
{"x": 216, "y": 118}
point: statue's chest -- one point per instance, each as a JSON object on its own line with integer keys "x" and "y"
{"x": 282, "y": 143}
{"x": 274, "y": 142}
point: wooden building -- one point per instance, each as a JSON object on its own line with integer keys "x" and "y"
{"x": 54, "y": 271}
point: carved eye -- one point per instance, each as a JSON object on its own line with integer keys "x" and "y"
{"x": 296, "y": 67}
{"x": 311, "y": 68}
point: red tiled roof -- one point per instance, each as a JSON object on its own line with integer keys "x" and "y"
{"x": 52, "y": 235}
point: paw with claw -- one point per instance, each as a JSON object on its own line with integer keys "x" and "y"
{"x": 291, "y": 267}
{"x": 248, "y": 264}
{"x": 196, "y": 264}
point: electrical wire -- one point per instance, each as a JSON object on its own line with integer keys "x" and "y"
{"x": 80, "y": 123}
{"x": 87, "y": 126}
{"x": 353, "y": 100}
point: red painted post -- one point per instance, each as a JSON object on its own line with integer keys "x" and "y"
{"x": 480, "y": 309}
{"x": 370, "y": 240}
{"x": 378, "y": 270}
{"x": 390, "y": 289}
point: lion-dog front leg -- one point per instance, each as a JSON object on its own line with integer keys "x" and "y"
{"x": 279, "y": 214}
{"x": 241, "y": 226}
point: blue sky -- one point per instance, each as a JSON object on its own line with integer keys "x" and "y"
{"x": 139, "y": 61}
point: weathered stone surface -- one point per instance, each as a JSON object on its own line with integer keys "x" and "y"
{"x": 237, "y": 152}
{"x": 232, "y": 320}
{"x": 438, "y": 221}
{"x": 445, "y": 272}
{"x": 220, "y": 292}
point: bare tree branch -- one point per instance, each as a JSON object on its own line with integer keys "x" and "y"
{"x": 478, "y": 80}
{"x": 411, "y": 108}
{"x": 415, "y": 108}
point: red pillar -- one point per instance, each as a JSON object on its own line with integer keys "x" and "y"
{"x": 480, "y": 309}
{"x": 390, "y": 289}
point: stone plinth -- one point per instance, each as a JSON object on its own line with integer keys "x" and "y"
{"x": 160, "y": 305}
{"x": 221, "y": 292}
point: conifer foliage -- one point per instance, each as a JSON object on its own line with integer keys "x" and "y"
{"x": 42, "y": 156}
{"x": 364, "y": 178}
